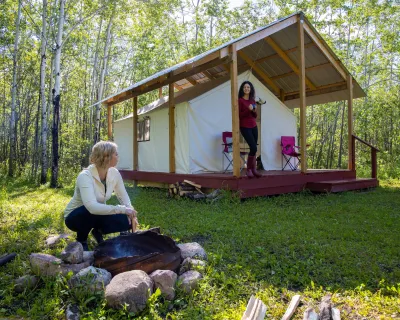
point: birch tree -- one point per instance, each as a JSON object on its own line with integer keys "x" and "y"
{"x": 14, "y": 95}
{"x": 43, "y": 173}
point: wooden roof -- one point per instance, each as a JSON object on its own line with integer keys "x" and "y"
{"x": 271, "y": 53}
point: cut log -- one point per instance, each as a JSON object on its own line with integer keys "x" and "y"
{"x": 325, "y": 308}
{"x": 175, "y": 190}
{"x": 192, "y": 184}
{"x": 7, "y": 258}
{"x": 186, "y": 188}
{"x": 198, "y": 190}
{"x": 335, "y": 314}
{"x": 186, "y": 193}
{"x": 292, "y": 307}
{"x": 310, "y": 314}
{"x": 255, "y": 310}
{"x": 171, "y": 185}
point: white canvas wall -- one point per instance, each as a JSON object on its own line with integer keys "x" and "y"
{"x": 210, "y": 114}
{"x": 153, "y": 155}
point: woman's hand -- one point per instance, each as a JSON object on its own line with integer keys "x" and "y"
{"x": 250, "y": 107}
{"x": 131, "y": 213}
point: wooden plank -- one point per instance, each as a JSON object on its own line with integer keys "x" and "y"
{"x": 288, "y": 74}
{"x": 320, "y": 90}
{"x": 259, "y": 71}
{"x": 135, "y": 134}
{"x": 196, "y": 185}
{"x": 282, "y": 95}
{"x": 275, "y": 55}
{"x": 192, "y": 81}
{"x": 350, "y": 121}
{"x": 302, "y": 91}
{"x": 109, "y": 121}
{"x": 323, "y": 47}
{"x": 292, "y": 307}
{"x": 235, "y": 111}
{"x": 171, "y": 114}
{"x": 160, "y": 92}
{"x": 255, "y": 309}
{"x": 287, "y": 60}
{"x": 208, "y": 74}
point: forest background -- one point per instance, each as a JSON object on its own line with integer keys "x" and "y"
{"x": 60, "y": 57}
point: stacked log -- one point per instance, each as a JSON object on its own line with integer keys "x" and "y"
{"x": 186, "y": 189}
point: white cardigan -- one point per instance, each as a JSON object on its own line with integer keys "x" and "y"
{"x": 90, "y": 192}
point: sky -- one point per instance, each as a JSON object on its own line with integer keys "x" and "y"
{"x": 235, "y": 3}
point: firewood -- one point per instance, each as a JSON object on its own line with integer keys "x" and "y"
{"x": 255, "y": 310}
{"x": 292, "y": 307}
{"x": 310, "y": 314}
{"x": 192, "y": 184}
{"x": 171, "y": 186}
{"x": 198, "y": 190}
{"x": 186, "y": 188}
{"x": 186, "y": 193}
{"x": 175, "y": 190}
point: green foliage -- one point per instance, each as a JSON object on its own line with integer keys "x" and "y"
{"x": 275, "y": 247}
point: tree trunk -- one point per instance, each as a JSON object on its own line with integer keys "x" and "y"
{"x": 56, "y": 99}
{"x": 14, "y": 95}
{"x": 43, "y": 158}
{"x": 102, "y": 77}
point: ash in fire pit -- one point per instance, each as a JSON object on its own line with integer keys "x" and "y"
{"x": 147, "y": 251}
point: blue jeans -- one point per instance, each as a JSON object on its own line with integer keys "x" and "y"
{"x": 82, "y": 222}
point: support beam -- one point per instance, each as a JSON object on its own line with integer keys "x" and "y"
{"x": 275, "y": 55}
{"x": 260, "y": 72}
{"x": 350, "y": 121}
{"x": 109, "y": 121}
{"x": 171, "y": 113}
{"x": 302, "y": 90}
{"x": 338, "y": 86}
{"x": 235, "y": 110}
{"x": 208, "y": 74}
{"x": 287, "y": 60}
{"x": 282, "y": 96}
{"x": 192, "y": 81}
{"x": 160, "y": 92}
{"x": 135, "y": 134}
{"x": 321, "y": 46}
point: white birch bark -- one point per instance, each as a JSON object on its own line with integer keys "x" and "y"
{"x": 56, "y": 97}
{"x": 43, "y": 160}
{"x": 14, "y": 95}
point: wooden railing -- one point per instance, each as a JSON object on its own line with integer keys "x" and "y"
{"x": 374, "y": 150}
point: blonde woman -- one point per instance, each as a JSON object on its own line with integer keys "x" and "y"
{"x": 87, "y": 211}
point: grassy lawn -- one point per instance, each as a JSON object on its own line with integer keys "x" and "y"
{"x": 347, "y": 244}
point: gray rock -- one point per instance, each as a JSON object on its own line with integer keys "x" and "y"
{"x": 25, "y": 282}
{"x": 72, "y": 312}
{"x": 48, "y": 265}
{"x": 91, "y": 279}
{"x": 88, "y": 256}
{"x": 73, "y": 253}
{"x": 165, "y": 280}
{"x": 52, "y": 241}
{"x": 133, "y": 288}
{"x": 191, "y": 264}
{"x": 192, "y": 250}
{"x": 189, "y": 281}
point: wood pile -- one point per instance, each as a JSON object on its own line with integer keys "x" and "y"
{"x": 191, "y": 190}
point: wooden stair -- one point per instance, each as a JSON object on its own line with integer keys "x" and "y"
{"x": 342, "y": 185}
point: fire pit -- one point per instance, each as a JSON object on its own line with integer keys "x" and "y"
{"x": 147, "y": 251}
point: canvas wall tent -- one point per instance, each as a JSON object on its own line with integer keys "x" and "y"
{"x": 200, "y": 120}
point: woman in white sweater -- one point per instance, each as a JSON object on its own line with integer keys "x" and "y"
{"x": 87, "y": 211}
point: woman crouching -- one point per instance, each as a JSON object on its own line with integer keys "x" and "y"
{"x": 87, "y": 211}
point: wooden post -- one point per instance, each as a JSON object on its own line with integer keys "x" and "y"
{"x": 374, "y": 166}
{"x": 302, "y": 91}
{"x": 235, "y": 111}
{"x": 353, "y": 154}
{"x": 109, "y": 120}
{"x": 171, "y": 103}
{"x": 350, "y": 121}
{"x": 160, "y": 92}
{"x": 135, "y": 140}
{"x": 282, "y": 95}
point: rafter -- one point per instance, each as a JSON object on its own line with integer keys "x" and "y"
{"x": 287, "y": 60}
{"x": 192, "y": 81}
{"x": 260, "y": 72}
{"x": 275, "y": 55}
{"x": 307, "y": 69}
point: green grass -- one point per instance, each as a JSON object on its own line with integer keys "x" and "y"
{"x": 347, "y": 244}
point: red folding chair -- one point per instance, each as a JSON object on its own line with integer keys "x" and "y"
{"x": 289, "y": 152}
{"x": 227, "y": 143}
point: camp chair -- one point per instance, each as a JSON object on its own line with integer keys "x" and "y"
{"x": 289, "y": 152}
{"x": 227, "y": 143}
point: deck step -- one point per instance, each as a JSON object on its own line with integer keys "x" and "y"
{"x": 342, "y": 185}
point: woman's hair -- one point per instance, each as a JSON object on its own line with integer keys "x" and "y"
{"x": 252, "y": 91}
{"x": 102, "y": 153}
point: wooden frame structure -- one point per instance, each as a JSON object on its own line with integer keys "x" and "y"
{"x": 234, "y": 56}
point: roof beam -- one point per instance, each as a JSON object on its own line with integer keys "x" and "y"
{"x": 307, "y": 69}
{"x": 339, "y": 86}
{"x": 287, "y": 60}
{"x": 192, "y": 81}
{"x": 324, "y": 49}
{"x": 260, "y": 72}
{"x": 208, "y": 74}
{"x": 275, "y": 55}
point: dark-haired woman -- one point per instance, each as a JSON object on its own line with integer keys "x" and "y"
{"x": 248, "y": 125}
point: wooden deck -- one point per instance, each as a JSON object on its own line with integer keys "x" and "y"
{"x": 272, "y": 183}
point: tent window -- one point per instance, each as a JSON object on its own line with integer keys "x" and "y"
{"x": 143, "y": 128}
